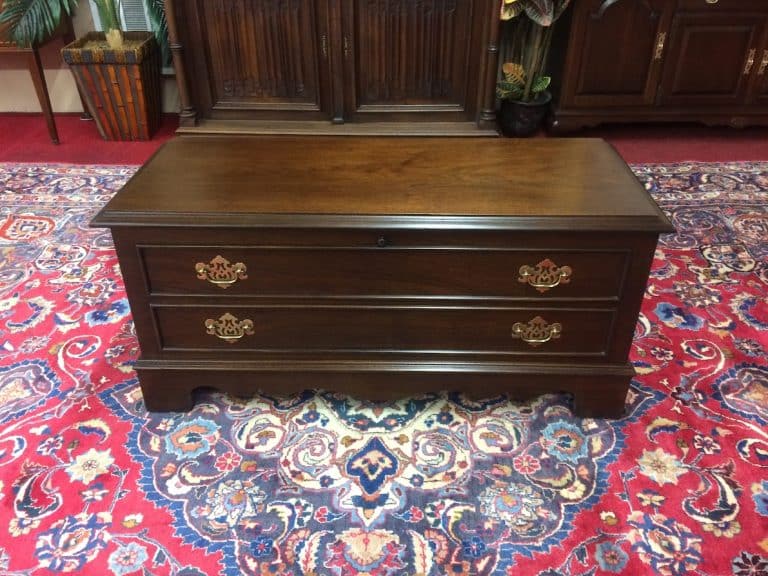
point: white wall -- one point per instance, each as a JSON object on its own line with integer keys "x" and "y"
{"x": 17, "y": 93}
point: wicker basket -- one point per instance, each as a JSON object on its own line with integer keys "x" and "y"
{"x": 120, "y": 87}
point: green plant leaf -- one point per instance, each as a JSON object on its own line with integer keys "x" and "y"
{"x": 540, "y": 11}
{"x": 108, "y": 14}
{"x": 509, "y": 90}
{"x": 33, "y": 21}
{"x": 509, "y": 11}
{"x": 156, "y": 10}
{"x": 513, "y": 72}
{"x": 540, "y": 84}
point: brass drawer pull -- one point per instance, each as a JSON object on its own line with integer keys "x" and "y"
{"x": 221, "y": 272}
{"x": 229, "y": 328}
{"x": 537, "y": 331}
{"x": 545, "y": 275}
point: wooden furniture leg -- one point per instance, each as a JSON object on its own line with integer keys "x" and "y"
{"x": 38, "y": 79}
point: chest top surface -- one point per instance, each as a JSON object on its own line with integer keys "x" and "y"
{"x": 582, "y": 184}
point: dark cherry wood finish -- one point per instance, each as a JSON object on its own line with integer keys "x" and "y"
{"x": 356, "y": 61}
{"x": 382, "y": 267}
{"x": 664, "y": 60}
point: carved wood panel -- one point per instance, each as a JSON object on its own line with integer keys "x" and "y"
{"x": 338, "y": 60}
{"x": 261, "y": 55}
{"x": 409, "y": 54}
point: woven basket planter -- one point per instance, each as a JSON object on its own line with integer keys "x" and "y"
{"x": 120, "y": 87}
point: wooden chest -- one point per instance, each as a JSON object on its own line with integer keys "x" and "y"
{"x": 385, "y": 267}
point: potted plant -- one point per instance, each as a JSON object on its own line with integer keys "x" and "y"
{"x": 117, "y": 73}
{"x": 523, "y": 86}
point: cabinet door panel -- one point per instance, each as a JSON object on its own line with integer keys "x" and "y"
{"x": 707, "y": 59}
{"x": 410, "y": 56}
{"x": 612, "y": 53}
{"x": 260, "y": 57}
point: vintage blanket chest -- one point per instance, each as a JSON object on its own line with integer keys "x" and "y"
{"x": 384, "y": 267}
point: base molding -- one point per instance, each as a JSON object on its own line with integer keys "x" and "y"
{"x": 599, "y": 390}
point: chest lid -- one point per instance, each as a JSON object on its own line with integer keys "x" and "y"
{"x": 443, "y": 183}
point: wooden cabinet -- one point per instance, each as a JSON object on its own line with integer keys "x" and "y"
{"x": 664, "y": 60}
{"x": 334, "y": 61}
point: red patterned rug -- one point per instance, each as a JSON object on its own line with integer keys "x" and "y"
{"x": 90, "y": 483}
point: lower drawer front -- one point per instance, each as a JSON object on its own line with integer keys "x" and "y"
{"x": 540, "y": 331}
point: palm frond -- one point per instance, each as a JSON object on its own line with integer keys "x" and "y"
{"x": 156, "y": 9}
{"x": 33, "y": 21}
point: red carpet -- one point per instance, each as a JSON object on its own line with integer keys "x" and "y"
{"x": 644, "y": 144}
{"x": 23, "y": 138}
{"x": 324, "y": 485}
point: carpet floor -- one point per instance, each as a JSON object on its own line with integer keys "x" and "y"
{"x": 325, "y": 485}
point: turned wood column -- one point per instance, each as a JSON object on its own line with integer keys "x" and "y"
{"x": 490, "y": 67}
{"x": 188, "y": 115}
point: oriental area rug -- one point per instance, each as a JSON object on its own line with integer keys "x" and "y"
{"x": 325, "y": 485}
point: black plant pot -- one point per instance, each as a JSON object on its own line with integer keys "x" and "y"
{"x": 523, "y": 118}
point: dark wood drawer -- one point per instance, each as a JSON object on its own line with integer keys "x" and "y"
{"x": 412, "y": 272}
{"x": 493, "y": 330}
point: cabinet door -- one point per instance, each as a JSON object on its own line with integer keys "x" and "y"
{"x": 613, "y": 58}
{"x": 405, "y": 56}
{"x": 710, "y": 59}
{"x": 258, "y": 58}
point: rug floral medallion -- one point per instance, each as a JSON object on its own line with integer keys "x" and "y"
{"x": 326, "y": 485}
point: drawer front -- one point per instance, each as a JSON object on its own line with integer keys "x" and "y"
{"x": 370, "y": 272}
{"x": 497, "y": 330}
